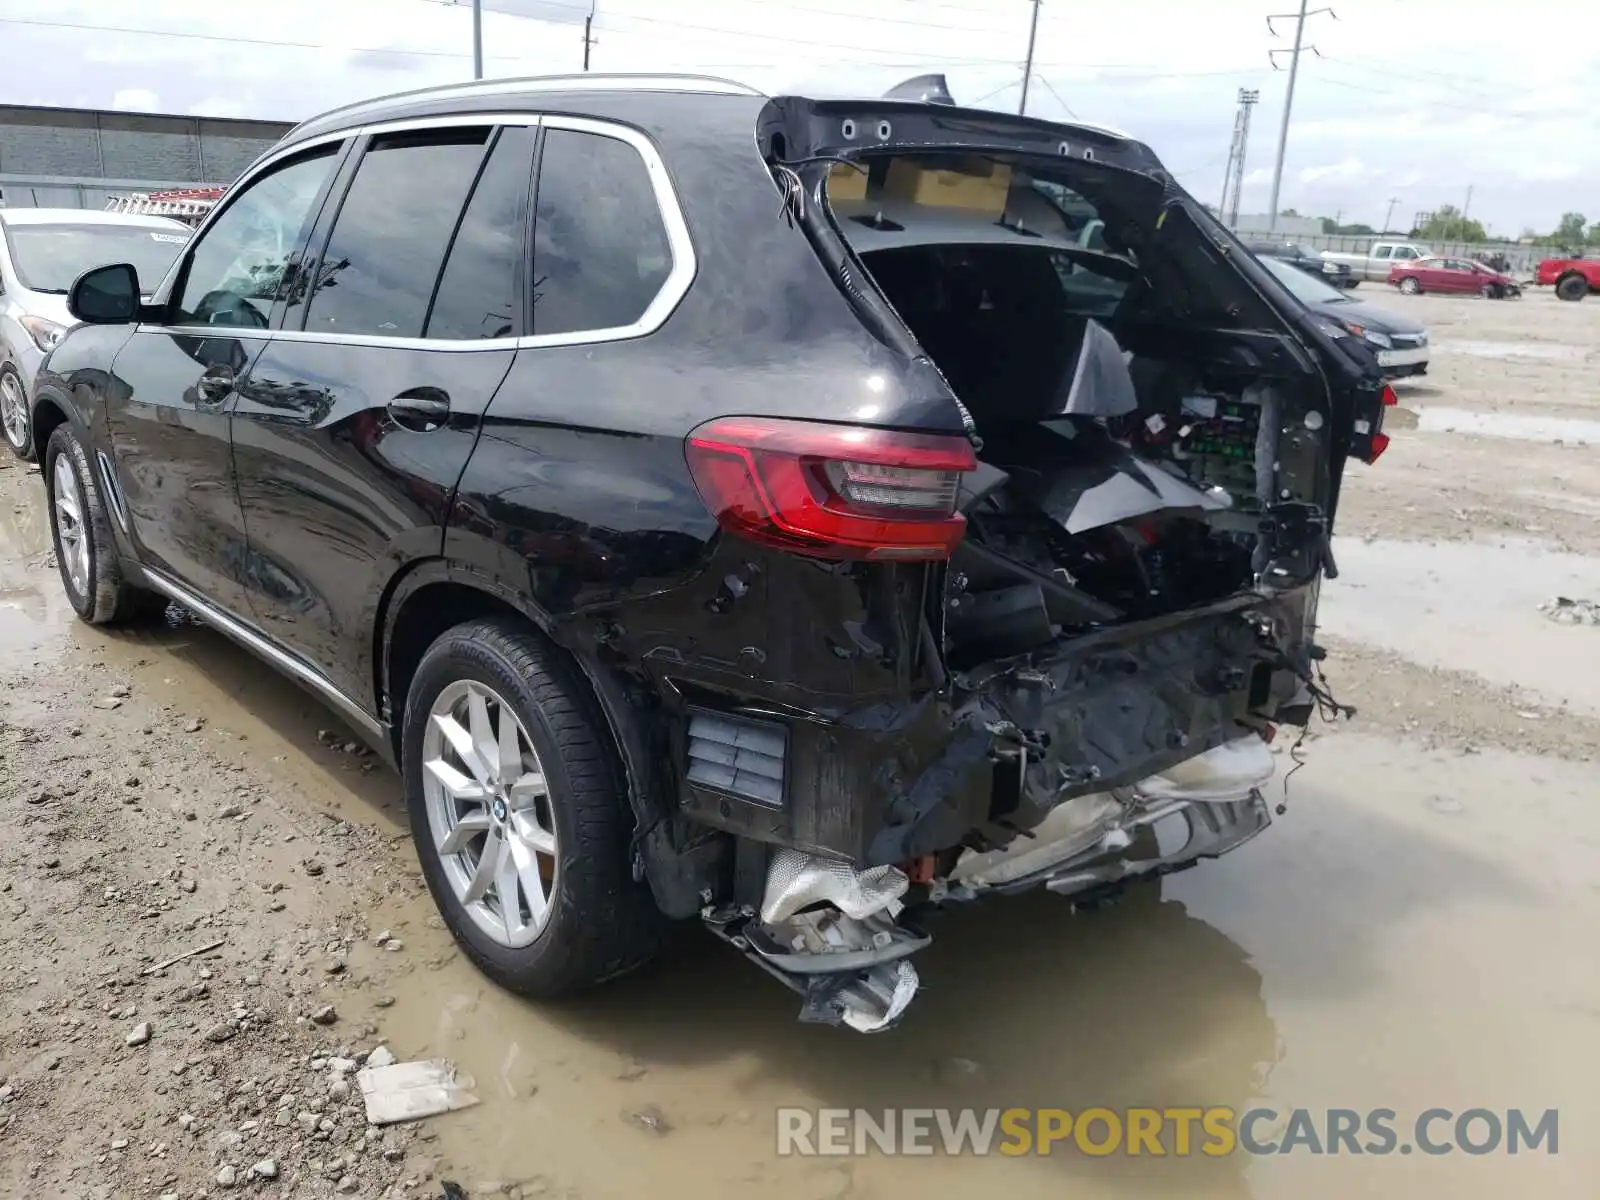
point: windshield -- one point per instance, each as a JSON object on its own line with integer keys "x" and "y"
{"x": 1304, "y": 288}
{"x": 49, "y": 258}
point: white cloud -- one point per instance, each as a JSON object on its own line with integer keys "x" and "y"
{"x": 136, "y": 100}
{"x": 1500, "y": 114}
{"x": 1346, "y": 169}
{"x": 218, "y": 106}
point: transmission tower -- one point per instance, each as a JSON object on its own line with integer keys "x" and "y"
{"x": 1233, "y": 177}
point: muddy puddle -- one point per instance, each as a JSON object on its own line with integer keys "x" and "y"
{"x": 1471, "y": 606}
{"x": 35, "y": 617}
{"x": 1520, "y": 427}
{"x": 1368, "y": 951}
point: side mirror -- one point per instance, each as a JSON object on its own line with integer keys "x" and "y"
{"x": 106, "y": 296}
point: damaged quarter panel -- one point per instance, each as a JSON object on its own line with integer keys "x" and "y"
{"x": 579, "y": 497}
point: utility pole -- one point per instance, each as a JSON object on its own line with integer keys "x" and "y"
{"x": 588, "y": 25}
{"x": 1467, "y": 207}
{"x": 1288, "y": 98}
{"x": 1027, "y": 68}
{"x": 1233, "y": 176}
{"x": 477, "y": 39}
{"x": 1388, "y": 216}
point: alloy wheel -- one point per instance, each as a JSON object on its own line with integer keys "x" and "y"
{"x": 13, "y": 411}
{"x": 489, "y": 812}
{"x": 68, "y": 502}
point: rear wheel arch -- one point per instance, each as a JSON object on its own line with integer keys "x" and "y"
{"x": 436, "y": 595}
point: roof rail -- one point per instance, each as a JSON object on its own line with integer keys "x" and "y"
{"x": 586, "y": 82}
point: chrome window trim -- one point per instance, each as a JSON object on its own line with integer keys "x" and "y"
{"x": 673, "y": 289}
{"x": 684, "y": 265}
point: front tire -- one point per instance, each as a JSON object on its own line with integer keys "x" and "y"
{"x": 1409, "y": 286}
{"x": 1572, "y": 287}
{"x": 15, "y": 422}
{"x": 520, "y": 822}
{"x": 86, "y": 555}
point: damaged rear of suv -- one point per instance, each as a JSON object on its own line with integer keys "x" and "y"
{"x": 855, "y": 506}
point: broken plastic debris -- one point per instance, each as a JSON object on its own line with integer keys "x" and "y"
{"x": 1566, "y": 611}
{"x": 409, "y": 1091}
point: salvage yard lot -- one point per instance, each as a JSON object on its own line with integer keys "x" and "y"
{"x": 1415, "y": 931}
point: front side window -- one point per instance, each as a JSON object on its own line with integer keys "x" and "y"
{"x": 239, "y": 263}
{"x": 1383, "y": 252}
{"x": 600, "y": 249}
{"x": 389, "y": 240}
{"x": 49, "y": 258}
{"x": 1405, "y": 252}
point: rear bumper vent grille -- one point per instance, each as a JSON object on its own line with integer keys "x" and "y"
{"x": 735, "y": 755}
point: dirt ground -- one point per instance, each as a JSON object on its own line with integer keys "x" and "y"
{"x": 1417, "y": 930}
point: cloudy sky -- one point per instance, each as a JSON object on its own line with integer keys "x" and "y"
{"x": 1412, "y": 100}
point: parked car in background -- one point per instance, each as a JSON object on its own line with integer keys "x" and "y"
{"x": 42, "y": 251}
{"x": 1573, "y": 278}
{"x": 1339, "y": 274}
{"x": 1374, "y": 264}
{"x": 1461, "y": 276}
{"x": 643, "y": 523}
{"x": 1399, "y": 343}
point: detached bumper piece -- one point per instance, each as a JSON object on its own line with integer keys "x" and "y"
{"x": 833, "y": 934}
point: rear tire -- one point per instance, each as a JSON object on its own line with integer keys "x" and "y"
{"x": 564, "y": 836}
{"x": 15, "y": 421}
{"x": 1572, "y": 287}
{"x": 1410, "y": 287}
{"x": 86, "y": 554}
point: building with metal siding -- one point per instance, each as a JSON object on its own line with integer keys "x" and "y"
{"x": 80, "y": 158}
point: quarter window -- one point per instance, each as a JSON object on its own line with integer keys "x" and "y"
{"x": 382, "y": 260}
{"x": 238, "y": 266}
{"x": 600, "y": 249}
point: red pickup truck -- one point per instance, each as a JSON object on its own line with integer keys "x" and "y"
{"x": 1574, "y": 278}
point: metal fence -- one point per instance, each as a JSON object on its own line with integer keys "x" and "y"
{"x": 1522, "y": 259}
{"x": 79, "y": 158}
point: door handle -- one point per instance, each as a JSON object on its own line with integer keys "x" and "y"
{"x": 420, "y": 410}
{"x": 215, "y": 385}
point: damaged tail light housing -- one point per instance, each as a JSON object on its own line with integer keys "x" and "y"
{"x": 832, "y": 491}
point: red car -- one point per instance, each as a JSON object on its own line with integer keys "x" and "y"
{"x": 1460, "y": 275}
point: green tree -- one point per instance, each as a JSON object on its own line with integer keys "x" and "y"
{"x": 1570, "y": 231}
{"x": 1448, "y": 225}
{"x": 1288, "y": 212}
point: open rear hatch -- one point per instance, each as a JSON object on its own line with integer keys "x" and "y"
{"x": 1160, "y": 433}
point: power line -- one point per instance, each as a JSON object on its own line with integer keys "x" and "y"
{"x": 1045, "y": 83}
{"x": 218, "y": 37}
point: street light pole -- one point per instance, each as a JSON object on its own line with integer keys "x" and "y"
{"x": 477, "y": 39}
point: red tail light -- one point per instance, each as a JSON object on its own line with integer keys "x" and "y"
{"x": 1380, "y": 443}
{"x": 1389, "y": 397}
{"x": 832, "y": 491}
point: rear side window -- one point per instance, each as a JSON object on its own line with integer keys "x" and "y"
{"x": 477, "y": 295}
{"x": 1381, "y": 252}
{"x": 378, "y": 272}
{"x": 600, "y": 250}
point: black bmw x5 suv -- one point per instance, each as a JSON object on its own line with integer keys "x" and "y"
{"x": 788, "y": 514}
